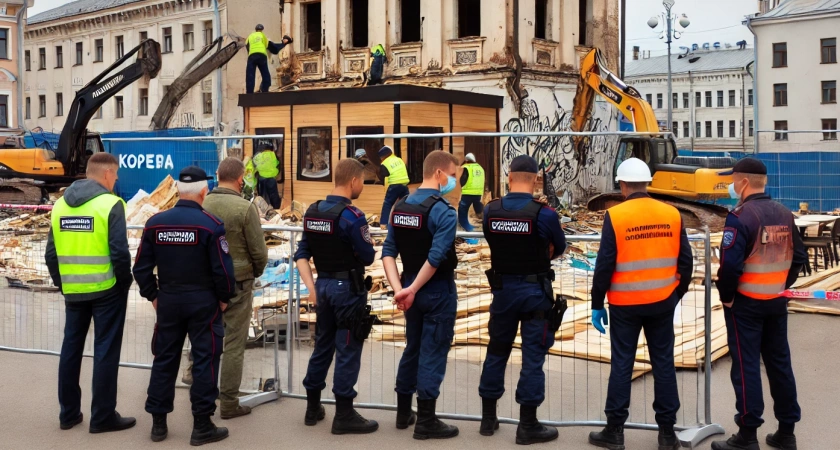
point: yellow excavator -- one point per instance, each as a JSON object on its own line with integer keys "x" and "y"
{"x": 679, "y": 180}
{"x": 26, "y": 174}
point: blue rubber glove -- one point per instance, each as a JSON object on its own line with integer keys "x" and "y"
{"x": 599, "y": 319}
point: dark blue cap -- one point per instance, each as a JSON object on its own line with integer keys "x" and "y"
{"x": 193, "y": 174}
{"x": 747, "y": 165}
{"x": 385, "y": 151}
{"x": 524, "y": 163}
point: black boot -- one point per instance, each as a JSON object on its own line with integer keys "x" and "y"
{"x": 159, "y": 428}
{"x": 530, "y": 431}
{"x": 782, "y": 440}
{"x": 314, "y": 409}
{"x": 741, "y": 441}
{"x": 428, "y": 425}
{"x": 348, "y": 421}
{"x": 405, "y": 416}
{"x": 205, "y": 431}
{"x": 489, "y": 421}
{"x": 611, "y": 437}
{"x": 668, "y": 438}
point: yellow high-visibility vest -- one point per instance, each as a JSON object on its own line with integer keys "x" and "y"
{"x": 475, "y": 182}
{"x": 398, "y": 174}
{"x": 257, "y": 43}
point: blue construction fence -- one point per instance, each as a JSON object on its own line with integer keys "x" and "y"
{"x": 143, "y": 165}
{"x": 795, "y": 177}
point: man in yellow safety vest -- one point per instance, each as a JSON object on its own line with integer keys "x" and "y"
{"x": 472, "y": 189}
{"x": 88, "y": 258}
{"x": 393, "y": 172}
{"x": 258, "y": 47}
{"x": 268, "y": 167}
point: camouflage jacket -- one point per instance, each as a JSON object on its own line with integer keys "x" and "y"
{"x": 243, "y": 231}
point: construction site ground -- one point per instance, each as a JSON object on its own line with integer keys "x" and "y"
{"x": 30, "y": 409}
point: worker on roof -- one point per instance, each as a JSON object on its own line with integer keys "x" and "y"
{"x": 189, "y": 291}
{"x": 643, "y": 268}
{"x": 377, "y": 64}
{"x": 393, "y": 172}
{"x": 267, "y": 168}
{"x": 472, "y": 189}
{"x": 258, "y": 47}
{"x": 337, "y": 237}
{"x": 524, "y": 236}
{"x": 761, "y": 256}
{"x": 88, "y": 259}
{"x": 422, "y": 233}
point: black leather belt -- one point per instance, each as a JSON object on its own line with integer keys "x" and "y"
{"x": 535, "y": 278}
{"x": 335, "y": 275}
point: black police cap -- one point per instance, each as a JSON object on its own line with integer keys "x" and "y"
{"x": 747, "y": 165}
{"x": 193, "y": 174}
{"x": 524, "y": 163}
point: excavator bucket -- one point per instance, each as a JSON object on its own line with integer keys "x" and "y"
{"x": 695, "y": 215}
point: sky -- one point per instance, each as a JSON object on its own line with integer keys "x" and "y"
{"x": 711, "y": 21}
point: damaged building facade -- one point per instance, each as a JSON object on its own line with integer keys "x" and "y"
{"x": 527, "y": 52}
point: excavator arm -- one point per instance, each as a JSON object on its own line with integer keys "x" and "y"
{"x": 194, "y": 72}
{"x": 71, "y": 143}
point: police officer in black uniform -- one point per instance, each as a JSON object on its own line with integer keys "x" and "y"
{"x": 336, "y": 234}
{"x": 761, "y": 256}
{"x": 194, "y": 282}
{"x": 524, "y": 236}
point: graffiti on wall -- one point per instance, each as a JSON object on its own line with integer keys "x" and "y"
{"x": 569, "y": 175}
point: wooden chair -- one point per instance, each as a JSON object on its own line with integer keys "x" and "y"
{"x": 814, "y": 240}
{"x": 833, "y": 232}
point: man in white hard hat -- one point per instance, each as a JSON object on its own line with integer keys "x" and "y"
{"x": 644, "y": 267}
{"x": 472, "y": 189}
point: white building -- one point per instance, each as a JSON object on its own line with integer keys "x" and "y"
{"x": 68, "y": 46}
{"x": 712, "y": 96}
{"x": 796, "y": 61}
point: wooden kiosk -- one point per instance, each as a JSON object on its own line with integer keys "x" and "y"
{"x": 313, "y": 120}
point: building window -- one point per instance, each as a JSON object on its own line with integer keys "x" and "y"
{"x": 675, "y": 101}
{"x": 780, "y": 94}
{"x": 144, "y": 35}
{"x": 541, "y": 13}
{"x": 4, "y": 110}
{"x": 207, "y": 102}
{"x": 780, "y": 54}
{"x": 28, "y": 108}
{"x": 828, "y": 50}
{"x": 189, "y": 37}
{"x": 732, "y": 128}
{"x": 167, "y": 40}
{"x": 42, "y": 106}
{"x": 371, "y": 148}
{"x": 4, "y": 43}
{"x": 685, "y": 129}
{"x": 675, "y": 128}
{"x": 120, "y": 109}
{"x": 79, "y": 53}
{"x": 42, "y": 59}
{"x": 720, "y": 128}
{"x": 829, "y": 91}
{"x": 119, "y": 45}
{"x": 708, "y": 128}
{"x": 750, "y": 97}
{"x": 144, "y": 102}
{"x": 698, "y": 130}
{"x": 312, "y": 26}
{"x": 780, "y": 125}
{"x": 685, "y": 100}
{"x": 469, "y": 18}
{"x": 731, "y": 98}
{"x": 98, "y": 113}
{"x": 59, "y": 57}
{"x": 208, "y": 32}
{"x": 830, "y": 124}
{"x": 27, "y": 57}
{"x": 409, "y": 21}
{"x": 720, "y": 99}
{"x": 59, "y": 104}
{"x": 314, "y": 148}
{"x": 659, "y": 101}
{"x": 698, "y": 99}
{"x": 708, "y": 99}
{"x": 99, "y": 54}
{"x": 649, "y": 98}
{"x": 358, "y": 23}
{"x": 751, "y": 128}
{"x": 418, "y": 149}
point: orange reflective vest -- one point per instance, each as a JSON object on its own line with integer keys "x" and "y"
{"x": 647, "y": 234}
{"x": 766, "y": 269}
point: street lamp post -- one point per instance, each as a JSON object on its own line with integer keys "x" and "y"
{"x": 670, "y": 34}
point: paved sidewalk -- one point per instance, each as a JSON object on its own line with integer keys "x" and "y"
{"x": 29, "y": 413}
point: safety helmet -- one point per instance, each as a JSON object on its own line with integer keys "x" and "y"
{"x": 633, "y": 170}
{"x": 470, "y": 157}
{"x": 259, "y": 27}
{"x": 360, "y": 153}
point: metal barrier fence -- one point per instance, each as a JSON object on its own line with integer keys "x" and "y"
{"x": 576, "y": 372}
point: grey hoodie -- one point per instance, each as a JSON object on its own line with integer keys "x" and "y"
{"x": 79, "y": 193}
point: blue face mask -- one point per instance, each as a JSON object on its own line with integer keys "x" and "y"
{"x": 450, "y": 185}
{"x": 732, "y": 193}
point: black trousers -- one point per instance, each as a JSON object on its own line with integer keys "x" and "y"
{"x": 268, "y": 191}
{"x": 257, "y": 61}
